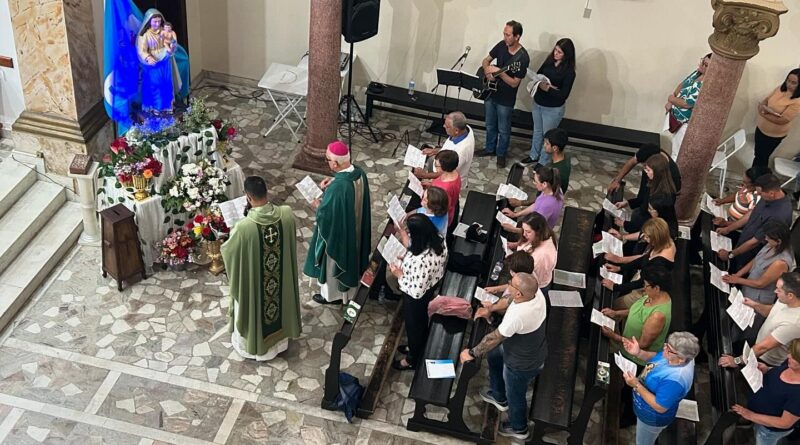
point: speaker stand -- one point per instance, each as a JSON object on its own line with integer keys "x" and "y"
{"x": 352, "y": 104}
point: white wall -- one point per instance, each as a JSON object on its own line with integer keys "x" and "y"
{"x": 12, "y": 102}
{"x": 631, "y": 54}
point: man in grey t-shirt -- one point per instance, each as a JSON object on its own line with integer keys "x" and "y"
{"x": 516, "y": 352}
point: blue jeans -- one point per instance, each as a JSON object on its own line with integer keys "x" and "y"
{"x": 765, "y": 436}
{"x": 647, "y": 434}
{"x": 509, "y": 385}
{"x": 498, "y": 121}
{"x": 544, "y": 119}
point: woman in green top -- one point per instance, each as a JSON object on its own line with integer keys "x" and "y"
{"x": 649, "y": 317}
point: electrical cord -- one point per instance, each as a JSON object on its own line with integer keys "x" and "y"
{"x": 44, "y": 174}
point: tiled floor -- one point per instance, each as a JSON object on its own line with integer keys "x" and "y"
{"x": 153, "y": 363}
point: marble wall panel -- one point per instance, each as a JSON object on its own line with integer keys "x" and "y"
{"x": 82, "y": 53}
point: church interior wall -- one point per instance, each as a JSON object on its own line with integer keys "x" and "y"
{"x": 12, "y": 102}
{"x": 630, "y": 54}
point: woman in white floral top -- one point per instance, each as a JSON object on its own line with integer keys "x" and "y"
{"x": 422, "y": 268}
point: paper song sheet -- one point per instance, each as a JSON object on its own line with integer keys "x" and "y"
{"x": 716, "y": 278}
{"x": 613, "y": 276}
{"x": 482, "y": 295}
{"x": 719, "y": 242}
{"x": 687, "y": 409}
{"x": 601, "y": 320}
{"x": 309, "y": 189}
{"x": 684, "y": 233}
{"x": 571, "y": 279}
{"x": 414, "y": 157}
{"x": 565, "y": 298}
{"x": 233, "y": 210}
{"x": 611, "y": 244}
{"x": 624, "y": 364}
{"x": 504, "y": 242}
{"x": 598, "y": 248}
{"x": 742, "y": 315}
{"x": 717, "y": 211}
{"x": 511, "y": 191}
{"x": 393, "y": 251}
{"x": 414, "y": 184}
{"x": 440, "y": 369}
{"x": 396, "y": 211}
{"x": 503, "y": 219}
{"x": 750, "y": 371}
{"x": 461, "y": 230}
{"x": 613, "y": 210}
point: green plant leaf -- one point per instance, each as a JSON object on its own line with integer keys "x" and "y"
{"x": 209, "y": 142}
{"x": 121, "y": 199}
{"x": 208, "y": 134}
{"x": 111, "y": 200}
{"x": 118, "y": 185}
{"x": 179, "y": 222}
{"x": 166, "y": 219}
{"x": 129, "y": 189}
{"x": 100, "y": 191}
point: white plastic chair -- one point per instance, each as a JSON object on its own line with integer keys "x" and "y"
{"x": 788, "y": 168}
{"x": 724, "y": 151}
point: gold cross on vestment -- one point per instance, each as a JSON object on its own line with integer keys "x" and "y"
{"x": 271, "y": 234}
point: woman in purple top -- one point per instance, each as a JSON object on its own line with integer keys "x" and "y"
{"x": 550, "y": 201}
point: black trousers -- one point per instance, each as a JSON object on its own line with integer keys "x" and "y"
{"x": 764, "y": 147}
{"x": 415, "y": 314}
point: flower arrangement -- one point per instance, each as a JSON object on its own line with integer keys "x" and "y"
{"x": 128, "y": 160}
{"x": 209, "y": 226}
{"x": 196, "y": 117}
{"x": 176, "y": 249}
{"x": 196, "y": 186}
{"x": 225, "y": 130}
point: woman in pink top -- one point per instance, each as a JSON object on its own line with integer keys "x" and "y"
{"x": 449, "y": 181}
{"x": 538, "y": 240}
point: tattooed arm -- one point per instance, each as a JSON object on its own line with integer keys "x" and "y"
{"x": 489, "y": 342}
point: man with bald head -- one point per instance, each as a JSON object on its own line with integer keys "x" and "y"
{"x": 516, "y": 352}
{"x": 461, "y": 140}
{"x": 339, "y": 249}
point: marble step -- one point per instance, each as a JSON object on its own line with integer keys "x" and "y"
{"x": 33, "y": 265}
{"x": 15, "y": 180}
{"x": 26, "y": 217}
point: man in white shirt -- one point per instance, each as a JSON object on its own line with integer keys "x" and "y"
{"x": 781, "y": 326}
{"x": 461, "y": 139}
{"x": 516, "y": 353}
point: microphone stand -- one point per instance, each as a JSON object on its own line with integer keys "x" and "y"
{"x": 461, "y": 60}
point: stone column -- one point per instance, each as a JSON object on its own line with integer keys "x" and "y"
{"x": 324, "y": 39}
{"x": 738, "y": 28}
{"x": 58, "y": 65}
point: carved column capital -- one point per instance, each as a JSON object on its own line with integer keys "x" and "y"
{"x": 740, "y": 25}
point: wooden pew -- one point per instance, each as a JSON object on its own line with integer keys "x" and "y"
{"x": 446, "y": 334}
{"x": 552, "y": 404}
{"x": 722, "y": 380}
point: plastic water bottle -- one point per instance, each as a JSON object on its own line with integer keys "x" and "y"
{"x": 498, "y": 266}
{"x": 411, "y": 86}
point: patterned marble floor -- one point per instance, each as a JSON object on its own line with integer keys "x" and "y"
{"x": 153, "y": 363}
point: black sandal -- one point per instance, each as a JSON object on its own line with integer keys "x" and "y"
{"x": 398, "y": 365}
{"x": 403, "y": 349}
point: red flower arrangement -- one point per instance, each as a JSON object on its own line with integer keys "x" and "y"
{"x": 209, "y": 226}
{"x": 176, "y": 249}
{"x": 225, "y": 130}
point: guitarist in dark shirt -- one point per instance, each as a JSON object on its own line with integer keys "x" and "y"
{"x": 500, "y": 104}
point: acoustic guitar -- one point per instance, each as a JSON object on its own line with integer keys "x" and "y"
{"x": 490, "y": 86}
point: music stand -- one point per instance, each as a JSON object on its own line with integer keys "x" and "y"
{"x": 450, "y": 78}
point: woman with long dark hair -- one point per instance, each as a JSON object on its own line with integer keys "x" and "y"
{"x": 659, "y": 184}
{"x": 539, "y": 240}
{"x": 775, "y": 114}
{"x": 418, "y": 274}
{"x": 550, "y": 96}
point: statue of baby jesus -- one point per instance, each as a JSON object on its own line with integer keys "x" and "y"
{"x": 168, "y": 36}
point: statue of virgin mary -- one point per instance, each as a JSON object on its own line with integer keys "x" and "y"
{"x": 161, "y": 79}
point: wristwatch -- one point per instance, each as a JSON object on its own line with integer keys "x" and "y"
{"x": 731, "y": 255}
{"x": 471, "y": 353}
{"x": 738, "y": 361}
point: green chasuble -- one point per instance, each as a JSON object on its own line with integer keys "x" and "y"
{"x": 261, "y": 262}
{"x": 342, "y": 231}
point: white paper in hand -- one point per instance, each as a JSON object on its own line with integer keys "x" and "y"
{"x": 565, "y": 298}
{"x": 719, "y": 242}
{"x": 504, "y": 242}
{"x": 233, "y": 210}
{"x": 742, "y": 315}
{"x": 414, "y": 157}
{"x": 624, "y": 364}
{"x": 613, "y": 276}
{"x": 511, "y": 191}
{"x": 503, "y": 219}
{"x": 393, "y": 251}
{"x": 611, "y": 244}
{"x": 716, "y": 278}
{"x": 482, "y": 295}
{"x": 750, "y": 371}
{"x": 598, "y": 248}
{"x": 599, "y": 319}
{"x": 414, "y": 184}
{"x": 309, "y": 189}
{"x": 714, "y": 209}
{"x": 396, "y": 211}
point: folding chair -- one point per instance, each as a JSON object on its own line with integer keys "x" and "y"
{"x": 724, "y": 151}
{"x": 790, "y": 169}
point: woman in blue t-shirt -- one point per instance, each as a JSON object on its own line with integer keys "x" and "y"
{"x": 775, "y": 408}
{"x": 664, "y": 382}
{"x": 435, "y": 204}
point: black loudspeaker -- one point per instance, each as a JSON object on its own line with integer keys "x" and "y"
{"x": 360, "y": 19}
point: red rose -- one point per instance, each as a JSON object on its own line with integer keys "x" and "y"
{"x": 198, "y": 219}
{"x": 106, "y": 158}
{"x": 180, "y": 252}
{"x": 206, "y": 231}
{"x": 217, "y": 123}
{"x": 231, "y": 132}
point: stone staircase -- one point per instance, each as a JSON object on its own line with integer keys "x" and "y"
{"x": 38, "y": 226}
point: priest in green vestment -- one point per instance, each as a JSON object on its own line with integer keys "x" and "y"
{"x": 261, "y": 262}
{"x": 340, "y": 246}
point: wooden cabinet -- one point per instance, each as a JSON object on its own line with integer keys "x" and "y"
{"x": 122, "y": 252}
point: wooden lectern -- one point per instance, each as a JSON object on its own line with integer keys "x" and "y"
{"x": 122, "y": 252}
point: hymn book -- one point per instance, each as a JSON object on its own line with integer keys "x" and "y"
{"x": 309, "y": 189}
{"x": 233, "y": 210}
